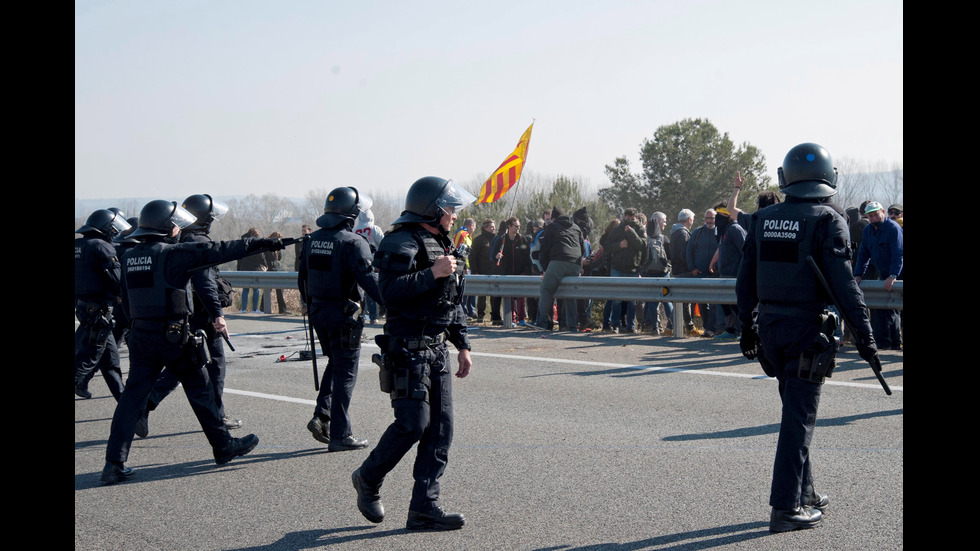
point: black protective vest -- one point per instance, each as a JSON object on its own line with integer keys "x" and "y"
{"x": 327, "y": 275}
{"x": 786, "y": 233}
{"x": 147, "y": 290}
{"x": 89, "y": 276}
{"x": 437, "y": 304}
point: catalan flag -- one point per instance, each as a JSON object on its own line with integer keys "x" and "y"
{"x": 508, "y": 173}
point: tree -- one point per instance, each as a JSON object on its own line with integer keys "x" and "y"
{"x": 688, "y": 164}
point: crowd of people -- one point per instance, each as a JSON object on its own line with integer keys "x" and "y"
{"x": 634, "y": 245}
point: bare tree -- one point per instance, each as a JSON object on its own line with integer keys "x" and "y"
{"x": 860, "y": 181}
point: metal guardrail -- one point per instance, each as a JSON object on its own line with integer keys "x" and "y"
{"x": 645, "y": 289}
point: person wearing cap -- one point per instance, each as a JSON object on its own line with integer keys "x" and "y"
{"x": 421, "y": 278}
{"x": 776, "y": 278}
{"x": 896, "y": 212}
{"x": 881, "y": 246}
{"x": 156, "y": 283}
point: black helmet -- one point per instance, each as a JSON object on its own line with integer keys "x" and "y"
{"x": 808, "y": 172}
{"x": 342, "y": 205}
{"x": 159, "y": 218}
{"x": 205, "y": 209}
{"x": 430, "y": 197}
{"x": 105, "y": 222}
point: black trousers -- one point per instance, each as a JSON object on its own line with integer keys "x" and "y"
{"x": 339, "y": 375}
{"x": 428, "y": 422}
{"x": 90, "y": 356}
{"x": 783, "y": 340}
{"x": 149, "y": 353}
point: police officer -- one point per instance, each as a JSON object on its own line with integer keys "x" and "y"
{"x": 208, "y": 314}
{"x": 421, "y": 283}
{"x": 97, "y": 276}
{"x": 123, "y": 243}
{"x": 335, "y": 261}
{"x": 792, "y": 327}
{"x": 157, "y": 292}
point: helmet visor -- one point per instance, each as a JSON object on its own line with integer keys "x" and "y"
{"x": 218, "y": 208}
{"x": 454, "y": 198}
{"x": 182, "y": 217}
{"x": 119, "y": 225}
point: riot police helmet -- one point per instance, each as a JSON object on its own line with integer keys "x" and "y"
{"x": 104, "y": 222}
{"x": 126, "y": 236}
{"x": 808, "y": 173}
{"x": 343, "y": 205}
{"x": 430, "y": 198}
{"x": 159, "y": 218}
{"x": 206, "y": 209}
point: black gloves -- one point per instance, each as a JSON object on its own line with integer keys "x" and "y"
{"x": 272, "y": 244}
{"x": 750, "y": 343}
{"x": 867, "y": 348}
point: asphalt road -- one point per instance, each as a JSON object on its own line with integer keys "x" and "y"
{"x": 562, "y": 442}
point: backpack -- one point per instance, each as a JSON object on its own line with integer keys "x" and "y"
{"x": 657, "y": 262}
{"x": 226, "y": 292}
{"x": 535, "y": 250}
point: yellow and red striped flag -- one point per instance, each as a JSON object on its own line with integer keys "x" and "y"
{"x": 508, "y": 173}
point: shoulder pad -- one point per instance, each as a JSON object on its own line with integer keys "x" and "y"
{"x": 396, "y": 252}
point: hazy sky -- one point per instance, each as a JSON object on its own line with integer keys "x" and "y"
{"x": 176, "y": 97}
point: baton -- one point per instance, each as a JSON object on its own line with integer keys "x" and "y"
{"x": 312, "y": 337}
{"x": 875, "y": 362}
{"x": 224, "y": 335}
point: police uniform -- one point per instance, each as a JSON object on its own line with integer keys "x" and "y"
{"x": 334, "y": 262}
{"x": 96, "y": 293}
{"x": 207, "y": 308}
{"x": 423, "y": 313}
{"x": 776, "y": 277}
{"x": 158, "y": 296}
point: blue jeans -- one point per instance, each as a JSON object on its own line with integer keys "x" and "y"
{"x": 617, "y": 307}
{"x": 255, "y": 299}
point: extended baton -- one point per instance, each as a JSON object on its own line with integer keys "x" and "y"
{"x": 316, "y": 373}
{"x": 875, "y": 361}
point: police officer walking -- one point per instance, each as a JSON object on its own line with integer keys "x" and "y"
{"x": 157, "y": 292}
{"x": 793, "y": 338}
{"x": 208, "y": 314}
{"x": 97, "y": 276}
{"x": 335, "y": 261}
{"x": 421, "y": 283}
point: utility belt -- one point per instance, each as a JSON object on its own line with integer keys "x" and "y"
{"x": 98, "y": 322}
{"x": 397, "y": 365}
{"x": 819, "y": 359}
{"x": 353, "y": 325}
{"x": 179, "y": 332}
{"x": 425, "y": 342}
